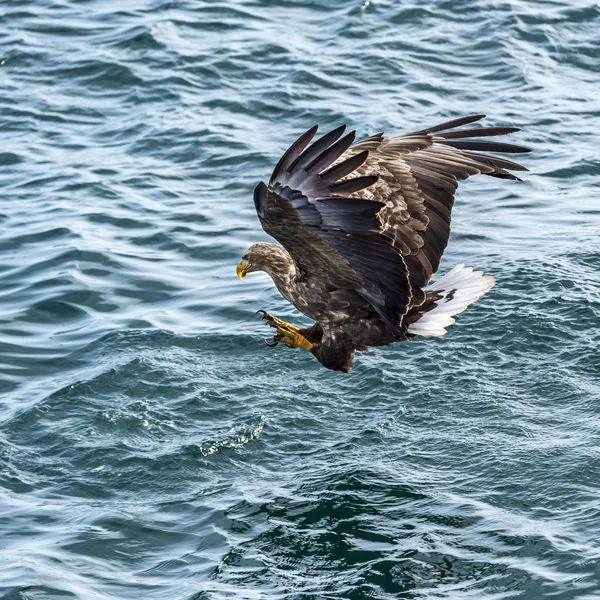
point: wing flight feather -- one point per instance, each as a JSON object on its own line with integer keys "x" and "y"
{"x": 335, "y": 240}
{"x": 418, "y": 176}
{"x": 373, "y": 217}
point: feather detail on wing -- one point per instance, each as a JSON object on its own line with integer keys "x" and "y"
{"x": 418, "y": 176}
{"x": 334, "y": 240}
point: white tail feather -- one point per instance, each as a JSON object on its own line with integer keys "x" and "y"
{"x": 459, "y": 288}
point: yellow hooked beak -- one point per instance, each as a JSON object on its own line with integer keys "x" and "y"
{"x": 242, "y": 268}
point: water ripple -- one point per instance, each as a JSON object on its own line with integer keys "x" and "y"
{"x": 151, "y": 445}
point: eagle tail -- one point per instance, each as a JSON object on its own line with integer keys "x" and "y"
{"x": 447, "y": 297}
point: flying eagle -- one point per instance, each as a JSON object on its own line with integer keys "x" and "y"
{"x": 362, "y": 228}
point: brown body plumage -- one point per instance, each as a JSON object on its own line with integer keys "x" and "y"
{"x": 363, "y": 228}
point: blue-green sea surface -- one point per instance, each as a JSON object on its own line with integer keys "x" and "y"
{"x": 151, "y": 446}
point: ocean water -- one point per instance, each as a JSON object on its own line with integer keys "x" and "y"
{"x": 151, "y": 445}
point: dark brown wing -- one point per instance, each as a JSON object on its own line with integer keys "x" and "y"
{"x": 335, "y": 241}
{"x": 418, "y": 176}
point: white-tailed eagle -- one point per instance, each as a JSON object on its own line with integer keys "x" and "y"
{"x": 362, "y": 228}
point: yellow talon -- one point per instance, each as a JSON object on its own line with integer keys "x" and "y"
{"x": 292, "y": 339}
{"x": 277, "y": 323}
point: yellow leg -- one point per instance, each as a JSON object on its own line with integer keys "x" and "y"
{"x": 292, "y": 339}
{"x": 277, "y": 323}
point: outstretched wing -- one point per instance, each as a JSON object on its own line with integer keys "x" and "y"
{"x": 418, "y": 176}
{"x": 335, "y": 241}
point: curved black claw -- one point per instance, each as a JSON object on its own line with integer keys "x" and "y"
{"x": 271, "y": 345}
{"x": 268, "y": 318}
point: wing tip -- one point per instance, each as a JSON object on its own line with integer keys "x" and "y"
{"x": 260, "y": 197}
{"x": 294, "y": 151}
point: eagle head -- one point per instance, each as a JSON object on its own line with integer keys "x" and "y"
{"x": 256, "y": 258}
{"x": 262, "y": 256}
